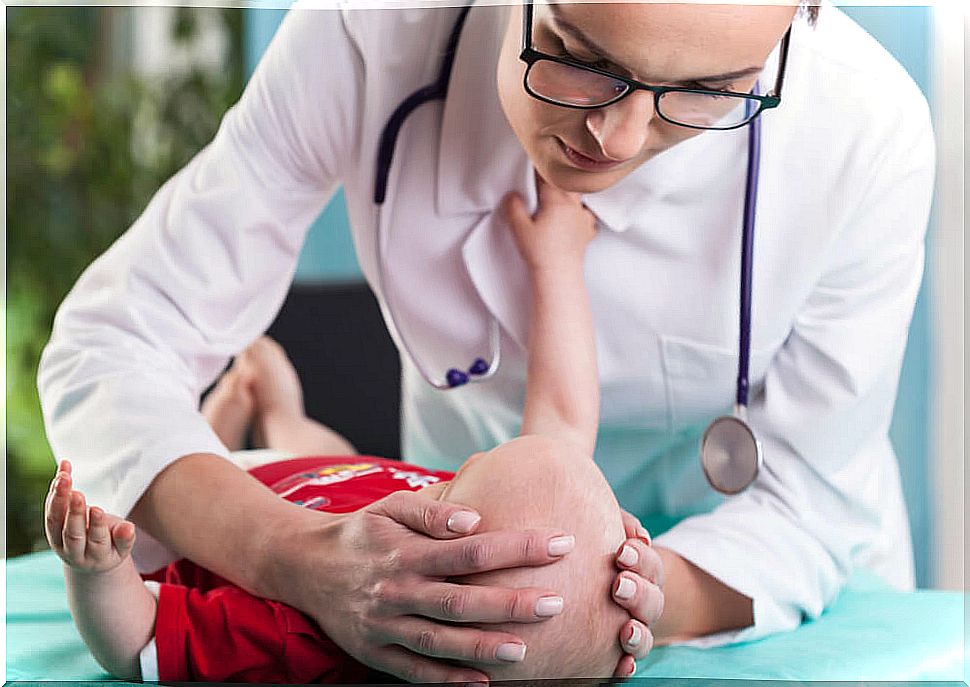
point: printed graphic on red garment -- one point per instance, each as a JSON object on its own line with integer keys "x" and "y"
{"x": 340, "y": 484}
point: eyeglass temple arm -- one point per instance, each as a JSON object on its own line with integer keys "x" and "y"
{"x": 782, "y": 63}
{"x": 526, "y": 25}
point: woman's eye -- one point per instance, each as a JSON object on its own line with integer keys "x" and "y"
{"x": 597, "y": 63}
{"x": 559, "y": 50}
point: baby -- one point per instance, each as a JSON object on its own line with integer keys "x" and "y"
{"x": 196, "y": 626}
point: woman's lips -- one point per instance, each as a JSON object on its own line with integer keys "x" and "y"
{"x": 578, "y": 159}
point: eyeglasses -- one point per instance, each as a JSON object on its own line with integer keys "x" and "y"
{"x": 570, "y": 83}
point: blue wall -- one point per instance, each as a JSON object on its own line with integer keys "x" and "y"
{"x": 906, "y": 32}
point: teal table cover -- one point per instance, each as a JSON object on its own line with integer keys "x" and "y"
{"x": 870, "y": 634}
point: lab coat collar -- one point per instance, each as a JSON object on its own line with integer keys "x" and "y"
{"x": 479, "y": 161}
{"x": 478, "y": 150}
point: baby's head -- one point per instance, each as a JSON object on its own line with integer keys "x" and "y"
{"x": 535, "y": 481}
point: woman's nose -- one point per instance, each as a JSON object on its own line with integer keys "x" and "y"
{"x": 621, "y": 129}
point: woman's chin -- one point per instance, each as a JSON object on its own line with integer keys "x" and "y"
{"x": 574, "y": 180}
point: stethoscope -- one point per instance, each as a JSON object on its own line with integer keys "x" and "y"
{"x": 731, "y": 454}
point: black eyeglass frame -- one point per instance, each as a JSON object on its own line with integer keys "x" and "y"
{"x": 531, "y": 56}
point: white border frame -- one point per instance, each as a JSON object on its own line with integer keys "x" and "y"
{"x": 946, "y": 266}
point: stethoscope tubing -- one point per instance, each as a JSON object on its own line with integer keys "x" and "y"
{"x": 747, "y": 258}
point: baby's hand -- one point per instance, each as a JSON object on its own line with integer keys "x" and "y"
{"x": 559, "y": 231}
{"x": 87, "y": 539}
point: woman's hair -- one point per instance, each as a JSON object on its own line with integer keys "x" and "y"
{"x": 811, "y": 8}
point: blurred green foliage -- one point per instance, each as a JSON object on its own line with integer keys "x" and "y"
{"x": 88, "y": 142}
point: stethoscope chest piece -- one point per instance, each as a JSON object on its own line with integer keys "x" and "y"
{"x": 731, "y": 455}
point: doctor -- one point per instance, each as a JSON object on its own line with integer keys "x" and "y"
{"x": 846, "y": 173}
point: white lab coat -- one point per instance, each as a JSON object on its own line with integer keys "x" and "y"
{"x": 844, "y": 197}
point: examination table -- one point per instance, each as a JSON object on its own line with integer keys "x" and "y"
{"x": 334, "y": 336}
{"x": 869, "y": 634}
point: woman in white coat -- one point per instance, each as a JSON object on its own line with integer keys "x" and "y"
{"x": 846, "y": 177}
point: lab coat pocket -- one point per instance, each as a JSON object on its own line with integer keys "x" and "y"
{"x": 701, "y": 378}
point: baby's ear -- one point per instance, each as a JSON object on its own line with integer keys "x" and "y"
{"x": 436, "y": 490}
{"x": 469, "y": 461}
{"x": 444, "y": 494}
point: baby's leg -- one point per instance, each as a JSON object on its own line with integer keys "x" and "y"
{"x": 279, "y": 421}
{"x": 229, "y": 408}
{"x": 112, "y": 609}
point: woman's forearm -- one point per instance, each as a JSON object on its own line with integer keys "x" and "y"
{"x": 212, "y": 512}
{"x": 697, "y": 604}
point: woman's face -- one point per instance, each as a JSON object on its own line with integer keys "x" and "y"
{"x": 688, "y": 45}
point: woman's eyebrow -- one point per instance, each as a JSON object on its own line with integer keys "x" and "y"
{"x": 599, "y": 51}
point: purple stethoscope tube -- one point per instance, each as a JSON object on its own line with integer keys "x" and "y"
{"x": 747, "y": 251}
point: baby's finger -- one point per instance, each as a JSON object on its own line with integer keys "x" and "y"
{"x": 549, "y": 194}
{"x": 75, "y": 527}
{"x": 515, "y": 212}
{"x": 99, "y": 537}
{"x": 123, "y": 536}
{"x": 56, "y": 511}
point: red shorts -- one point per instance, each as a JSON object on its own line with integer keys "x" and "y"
{"x": 208, "y": 629}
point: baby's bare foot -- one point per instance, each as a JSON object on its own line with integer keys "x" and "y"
{"x": 229, "y": 407}
{"x": 272, "y": 378}
{"x": 275, "y": 387}
{"x": 87, "y": 539}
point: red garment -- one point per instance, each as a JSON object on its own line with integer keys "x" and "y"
{"x": 208, "y": 629}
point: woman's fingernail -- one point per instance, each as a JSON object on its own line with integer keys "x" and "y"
{"x": 549, "y": 606}
{"x": 463, "y": 521}
{"x": 626, "y": 589}
{"x": 513, "y": 653}
{"x": 633, "y": 668}
{"x": 628, "y": 556}
{"x": 644, "y": 535}
{"x": 560, "y": 546}
{"x": 636, "y": 636}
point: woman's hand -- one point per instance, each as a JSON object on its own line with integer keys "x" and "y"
{"x": 638, "y": 589}
{"x": 375, "y": 582}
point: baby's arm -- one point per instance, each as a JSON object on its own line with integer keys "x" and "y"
{"x": 113, "y": 610}
{"x": 562, "y": 392}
